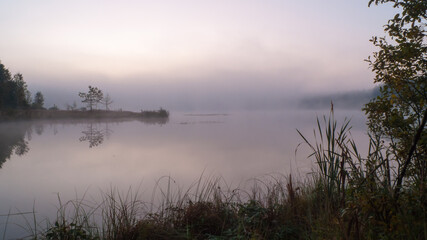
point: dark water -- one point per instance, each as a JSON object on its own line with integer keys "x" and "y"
{"x": 40, "y": 159}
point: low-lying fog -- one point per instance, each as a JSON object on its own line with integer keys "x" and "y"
{"x": 207, "y": 96}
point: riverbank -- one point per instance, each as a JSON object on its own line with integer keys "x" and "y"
{"x": 69, "y": 114}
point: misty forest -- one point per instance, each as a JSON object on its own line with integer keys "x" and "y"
{"x": 240, "y": 147}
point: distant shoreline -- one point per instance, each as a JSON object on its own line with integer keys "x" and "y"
{"x": 30, "y": 114}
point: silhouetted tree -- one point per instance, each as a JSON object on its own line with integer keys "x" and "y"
{"x": 4, "y": 74}
{"x": 72, "y": 107}
{"x": 4, "y": 79}
{"x": 38, "y": 101}
{"x": 13, "y": 90}
{"x": 92, "y": 97}
{"x": 21, "y": 91}
{"x": 107, "y": 101}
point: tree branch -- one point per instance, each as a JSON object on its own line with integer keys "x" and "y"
{"x": 408, "y": 159}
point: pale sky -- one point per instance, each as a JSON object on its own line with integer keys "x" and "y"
{"x": 191, "y": 49}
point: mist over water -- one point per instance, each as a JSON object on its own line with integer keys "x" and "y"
{"x": 78, "y": 158}
{"x": 218, "y": 96}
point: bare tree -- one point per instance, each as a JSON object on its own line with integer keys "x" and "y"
{"x": 74, "y": 106}
{"x": 107, "y": 101}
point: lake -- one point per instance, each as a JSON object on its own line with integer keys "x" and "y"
{"x": 76, "y": 158}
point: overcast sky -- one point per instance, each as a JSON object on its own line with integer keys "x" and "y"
{"x": 172, "y": 52}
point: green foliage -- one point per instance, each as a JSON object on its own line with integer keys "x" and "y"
{"x": 358, "y": 195}
{"x": 398, "y": 115}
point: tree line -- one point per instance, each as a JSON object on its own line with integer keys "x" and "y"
{"x": 14, "y": 93}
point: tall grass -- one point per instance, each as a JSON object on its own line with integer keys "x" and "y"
{"x": 75, "y": 220}
{"x": 331, "y": 154}
{"x": 360, "y": 191}
{"x": 120, "y": 214}
{"x": 207, "y": 209}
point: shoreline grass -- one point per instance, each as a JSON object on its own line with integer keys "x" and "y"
{"x": 277, "y": 207}
{"x": 208, "y": 209}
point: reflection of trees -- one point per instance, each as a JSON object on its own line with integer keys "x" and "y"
{"x": 94, "y": 133}
{"x": 12, "y": 140}
{"x": 14, "y": 136}
{"x": 155, "y": 121}
{"x": 94, "y": 136}
{"x": 39, "y": 128}
{"x": 107, "y": 130}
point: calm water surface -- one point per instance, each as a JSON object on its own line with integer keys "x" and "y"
{"x": 41, "y": 159}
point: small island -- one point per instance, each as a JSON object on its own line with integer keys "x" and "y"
{"x": 16, "y": 102}
{"x": 79, "y": 114}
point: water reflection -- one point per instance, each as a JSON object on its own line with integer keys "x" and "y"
{"x": 39, "y": 128}
{"x": 93, "y": 135}
{"x": 155, "y": 121}
{"x": 12, "y": 140}
{"x": 15, "y": 136}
